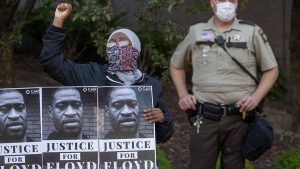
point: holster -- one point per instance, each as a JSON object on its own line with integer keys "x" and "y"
{"x": 192, "y": 114}
{"x": 250, "y": 116}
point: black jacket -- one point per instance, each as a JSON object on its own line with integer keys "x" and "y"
{"x": 94, "y": 74}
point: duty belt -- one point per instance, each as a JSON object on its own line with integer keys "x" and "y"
{"x": 213, "y": 112}
{"x": 217, "y": 111}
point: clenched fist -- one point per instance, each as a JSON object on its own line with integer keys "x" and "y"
{"x": 63, "y": 10}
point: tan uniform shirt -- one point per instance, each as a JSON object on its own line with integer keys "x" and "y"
{"x": 216, "y": 77}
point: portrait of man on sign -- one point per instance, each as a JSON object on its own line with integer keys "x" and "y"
{"x": 14, "y": 114}
{"x": 66, "y": 112}
{"x": 123, "y": 112}
{"x": 70, "y": 127}
{"x": 20, "y": 128}
{"x": 127, "y": 139}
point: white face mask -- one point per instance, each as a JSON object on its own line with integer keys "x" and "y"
{"x": 225, "y": 11}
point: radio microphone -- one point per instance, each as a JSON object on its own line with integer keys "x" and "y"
{"x": 220, "y": 41}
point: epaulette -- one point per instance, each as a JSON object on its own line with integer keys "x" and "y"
{"x": 247, "y": 22}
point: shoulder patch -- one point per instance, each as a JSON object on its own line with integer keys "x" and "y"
{"x": 263, "y": 35}
{"x": 247, "y": 22}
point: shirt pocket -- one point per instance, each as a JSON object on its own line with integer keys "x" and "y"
{"x": 246, "y": 59}
{"x": 241, "y": 53}
{"x": 202, "y": 54}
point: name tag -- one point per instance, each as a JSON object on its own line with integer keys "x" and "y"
{"x": 242, "y": 45}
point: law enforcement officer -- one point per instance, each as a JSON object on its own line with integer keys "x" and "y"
{"x": 221, "y": 87}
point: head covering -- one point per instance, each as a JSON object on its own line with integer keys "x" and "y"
{"x": 131, "y": 36}
{"x": 128, "y": 77}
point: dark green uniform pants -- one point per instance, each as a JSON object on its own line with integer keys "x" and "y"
{"x": 213, "y": 136}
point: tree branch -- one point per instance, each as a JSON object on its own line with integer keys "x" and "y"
{"x": 7, "y": 13}
{"x": 27, "y": 9}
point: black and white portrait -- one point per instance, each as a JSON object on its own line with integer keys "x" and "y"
{"x": 123, "y": 112}
{"x": 70, "y": 127}
{"x": 126, "y": 140}
{"x": 69, "y": 113}
{"x": 20, "y": 128}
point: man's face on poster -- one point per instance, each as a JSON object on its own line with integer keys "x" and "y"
{"x": 67, "y": 112}
{"x": 12, "y": 115}
{"x": 123, "y": 110}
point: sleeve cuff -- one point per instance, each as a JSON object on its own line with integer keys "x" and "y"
{"x": 57, "y": 29}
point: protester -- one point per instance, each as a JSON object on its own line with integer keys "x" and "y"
{"x": 123, "y": 50}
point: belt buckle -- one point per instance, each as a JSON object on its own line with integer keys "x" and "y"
{"x": 224, "y": 109}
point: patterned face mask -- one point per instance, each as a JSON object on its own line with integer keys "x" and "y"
{"x": 122, "y": 58}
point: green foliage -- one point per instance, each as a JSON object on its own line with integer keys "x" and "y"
{"x": 289, "y": 159}
{"x": 243, "y": 3}
{"x": 162, "y": 161}
{"x": 9, "y": 38}
{"x": 159, "y": 38}
{"x": 86, "y": 28}
{"x": 197, "y": 5}
{"x": 194, "y": 7}
{"x": 96, "y": 16}
{"x": 10, "y": 30}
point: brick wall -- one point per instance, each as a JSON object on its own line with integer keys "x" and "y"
{"x": 32, "y": 101}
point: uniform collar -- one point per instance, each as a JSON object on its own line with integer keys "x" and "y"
{"x": 210, "y": 25}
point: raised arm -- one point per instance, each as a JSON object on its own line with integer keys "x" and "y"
{"x": 52, "y": 58}
{"x": 62, "y": 12}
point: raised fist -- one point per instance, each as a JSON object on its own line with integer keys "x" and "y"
{"x": 62, "y": 12}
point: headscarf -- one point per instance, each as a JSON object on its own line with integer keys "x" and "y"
{"x": 128, "y": 77}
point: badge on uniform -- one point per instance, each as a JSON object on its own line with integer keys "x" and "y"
{"x": 236, "y": 37}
